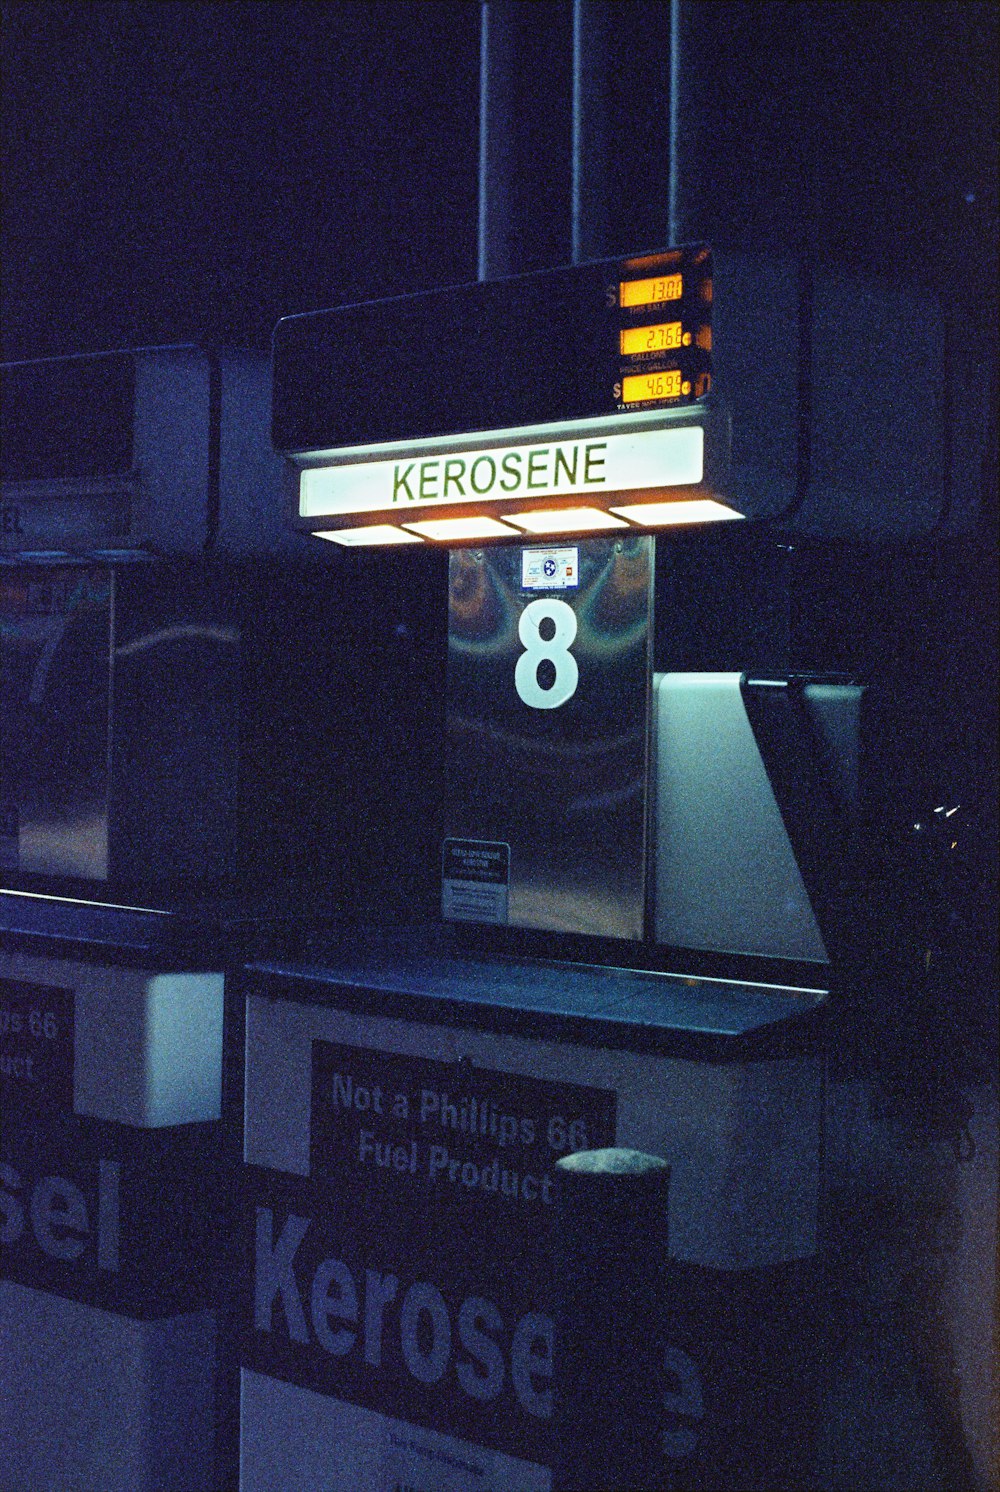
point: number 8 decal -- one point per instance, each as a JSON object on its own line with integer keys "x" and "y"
{"x": 555, "y": 649}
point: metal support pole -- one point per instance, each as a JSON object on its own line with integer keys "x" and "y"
{"x": 611, "y": 1267}
{"x": 524, "y": 137}
{"x": 578, "y": 131}
{"x": 590, "y": 226}
{"x": 625, "y": 112}
{"x": 495, "y": 128}
{"x": 674, "y": 228}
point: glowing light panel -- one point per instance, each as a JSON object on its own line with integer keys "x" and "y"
{"x": 565, "y": 521}
{"x": 452, "y": 529}
{"x": 373, "y": 533}
{"x": 685, "y": 510}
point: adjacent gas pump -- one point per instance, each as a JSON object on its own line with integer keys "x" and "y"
{"x": 407, "y": 1098}
{"x": 112, "y": 1218}
{"x": 123, "y": 669}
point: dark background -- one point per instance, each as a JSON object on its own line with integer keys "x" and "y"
{"x": 188, "y": 171}
{"x": 183, "y": 170}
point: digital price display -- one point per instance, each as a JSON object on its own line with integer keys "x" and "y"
{"x": 674, "y": 355}
{"x": 652, "y": 291}
{"x": 663, "y": 336}
{"x": 639, "y": 387}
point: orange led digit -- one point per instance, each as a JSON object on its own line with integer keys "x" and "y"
{"x": 650, "y": 292}
{"x": 641, "y": 386}
{"x": 662, "y": 337}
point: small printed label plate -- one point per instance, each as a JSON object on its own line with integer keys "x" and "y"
{"x": 475, "y": 876}
{"x": 549, "y": 569}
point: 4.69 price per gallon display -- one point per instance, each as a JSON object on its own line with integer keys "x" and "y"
{"x": 640, "y": 387}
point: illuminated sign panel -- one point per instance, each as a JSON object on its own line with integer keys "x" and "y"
{"x": 505, "y": 403}
{"x": 608, "y": 463}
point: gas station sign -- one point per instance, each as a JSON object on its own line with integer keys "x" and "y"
{"x": 566, "y": 402}
{"x": 619, "y": 477}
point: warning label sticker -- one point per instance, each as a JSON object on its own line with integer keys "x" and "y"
{"x": 475, "y": 878}
{"x": 430, "y": 1127}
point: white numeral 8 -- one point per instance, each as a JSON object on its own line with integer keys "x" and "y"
{"x": 555, "y": 649}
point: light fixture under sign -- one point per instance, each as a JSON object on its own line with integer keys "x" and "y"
{"x": 455, "y": 530}
{"x": 684, "y": 510}
{"x": 680, "y": 512}
{"x": 373, "y": 534}
{"x": 565, "y": 521}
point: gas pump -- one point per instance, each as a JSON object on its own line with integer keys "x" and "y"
{"x": 648, "y": 901}
{"x": 633, "y": 946}
{"x": 136, "y": 486}
{"x": 554, "y": 424}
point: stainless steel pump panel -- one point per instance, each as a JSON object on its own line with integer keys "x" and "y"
{"x": 546, "y": 743}
{"x": 55, "y": 674}
{"x": 110, "y": 682}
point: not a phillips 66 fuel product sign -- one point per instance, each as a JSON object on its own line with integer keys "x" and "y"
{"x": 410, "y": 1274}
{"x": 36, "y": 1048}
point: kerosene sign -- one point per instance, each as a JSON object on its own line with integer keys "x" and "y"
{"x": 628, "y": 474}
{"x": 427, "y": 1289}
